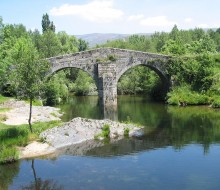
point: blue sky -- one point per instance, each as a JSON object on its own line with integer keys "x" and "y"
{"x": 113, "y": 16}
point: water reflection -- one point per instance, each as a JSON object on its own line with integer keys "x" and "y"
{"x": 7, "y": 173}
{"x": 164, "y": 125}
{"x": 179, "y": 148}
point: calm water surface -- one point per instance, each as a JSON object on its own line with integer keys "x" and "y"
{"x": 180, "y": 150}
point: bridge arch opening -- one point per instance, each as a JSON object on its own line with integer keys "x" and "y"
{"x": 143, "y": 80}
{"x": 66, "y": 81}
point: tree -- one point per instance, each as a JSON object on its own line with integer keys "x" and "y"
{"x": 69, "y": 44}
{"x": 28, "y": 71}
{"x": 174, "y": 47}
{"x": 83, "y": 45}
{"x": 47, "y": 24}
{"x": 49, "y": 45}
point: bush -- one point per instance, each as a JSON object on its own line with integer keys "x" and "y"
{"x": 8, "y": 154}
{"x": 105, "y": 132}
{"x": 126, "y": 132}
{"x": 183, "y": 95}
{"x": 216, "y": 102}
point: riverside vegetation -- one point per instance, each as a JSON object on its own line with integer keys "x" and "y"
{"x": 194, "y": 69}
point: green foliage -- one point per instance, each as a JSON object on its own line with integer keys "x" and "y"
{"x": 174, "y": 47}
{"x": 83, "y": 45}
{"x": 183, "y": 95}
{"x": 56, "y": 89}
{"x": 8, "y": 155}
{"x": 140, "y": 80}
{"x": 13, "y": 136}
{"x": 83, "y": 84}
{"x": 126, "y": 132}
{"x": 47, "y": 25}
{"x": 216, "y": 102}
{"x": 105, "y": 132}
{"x": 49, "y": 45}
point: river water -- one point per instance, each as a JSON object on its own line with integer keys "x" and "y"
{"x": 180, "y": 150}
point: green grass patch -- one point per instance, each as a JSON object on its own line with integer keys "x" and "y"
{"x": 2, "y": 110}
{"x": 35, "y": 102}
{"x": 105, "y": 132}
{"x": 3, "y": 99}
{"x": 126, "y": 132}
{"x": 8, "y": 154}
{"x": 13, "y": 136}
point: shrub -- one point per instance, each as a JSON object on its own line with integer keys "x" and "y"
{"x": 8, "y": 154}
{"x": 105, "y": 132}
{"x": 126, "y": 132}
{"x": 216, "y": 102}
{"x": 183, "y": 95}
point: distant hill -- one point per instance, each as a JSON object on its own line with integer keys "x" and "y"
{"x": 99, "y": 38}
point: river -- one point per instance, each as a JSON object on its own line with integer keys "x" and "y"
{"x": 180, "y": 149}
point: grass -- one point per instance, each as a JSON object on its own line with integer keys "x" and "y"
{"x": 3, "y": 99}
{"x": 2, "y": 110}
{"x": 105, "y": 132}
{"x": 13, "y": 136}
{"x": 129, "y": 121}
{"x": 126, "y": 132}
{"x": 8, "y": 154}
{"x": 35, "y": 102}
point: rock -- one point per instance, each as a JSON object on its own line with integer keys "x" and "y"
{"x": 138, "y": 133}
{"x": 80, "y": 130}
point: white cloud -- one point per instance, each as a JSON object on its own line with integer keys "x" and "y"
{"x": 157, "y": 21}
{"x": 203, "y": 25}
{"x": 96, "y": 11}
{"x": 135, "y": 17}
{"x": 188, "y": 20}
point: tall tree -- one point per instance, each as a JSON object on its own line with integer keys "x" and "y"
{"x": 28, "y": 71}
{"x": 83, "y": 45}
{"x": 47, "y": 24}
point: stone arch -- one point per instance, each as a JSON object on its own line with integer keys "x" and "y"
{"x": 91, "y": 74}
{"x": 165, "y": 79}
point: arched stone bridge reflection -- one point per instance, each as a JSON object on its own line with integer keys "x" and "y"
{"x": 107, "y": 65}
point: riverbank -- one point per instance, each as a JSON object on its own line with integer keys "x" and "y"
{"x": 18, "y": 113}
{"x": 78, "y": 132}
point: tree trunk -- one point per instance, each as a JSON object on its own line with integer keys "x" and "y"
{"x": 30, "y": 115}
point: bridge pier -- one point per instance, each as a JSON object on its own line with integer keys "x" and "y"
{"x": 107, "y": 85}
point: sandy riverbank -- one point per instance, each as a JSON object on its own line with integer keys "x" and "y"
{"x": 19, "y": 113}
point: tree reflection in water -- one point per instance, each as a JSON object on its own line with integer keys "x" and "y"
{"x": 39, "y": 184}
{"x": 7, "y": 173}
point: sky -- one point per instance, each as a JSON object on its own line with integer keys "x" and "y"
{"x": 113, "y": 16}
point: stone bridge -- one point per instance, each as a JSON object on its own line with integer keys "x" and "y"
{"x": 107, "y": 65}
